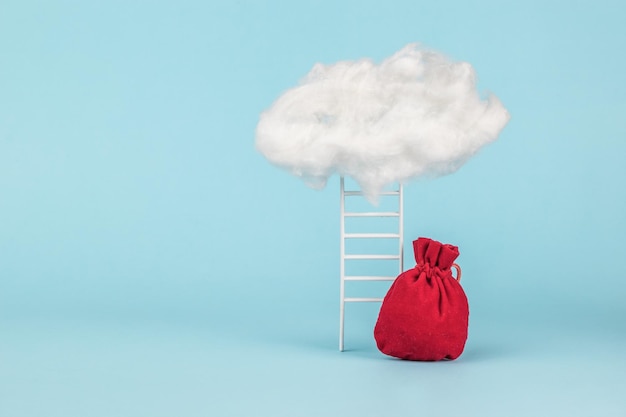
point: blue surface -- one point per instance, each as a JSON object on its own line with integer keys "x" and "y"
{"x": 153, "y": 264}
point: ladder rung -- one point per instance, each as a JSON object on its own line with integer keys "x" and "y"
{"x": 362, "y": 300}
{"x": 372, "y": 214}
{"x": 371, "y": 235}
{"x": 361, "y": 193}
{"x": 371, "y": 257}
{"x": 368, "y": 278}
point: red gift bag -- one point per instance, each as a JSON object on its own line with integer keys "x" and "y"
{"x": 424, "y": 316}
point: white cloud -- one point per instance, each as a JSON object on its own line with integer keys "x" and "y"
{"x": 416, "y": 114}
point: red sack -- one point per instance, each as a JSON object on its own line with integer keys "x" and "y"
{"x": 424, "y": 315}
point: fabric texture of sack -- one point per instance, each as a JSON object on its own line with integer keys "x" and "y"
{"x": 425, "y": 314}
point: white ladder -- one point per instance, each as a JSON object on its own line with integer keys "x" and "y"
{"x": 399, "y": 257}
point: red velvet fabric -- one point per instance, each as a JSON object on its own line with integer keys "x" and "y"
{"x": 424, "y": 316}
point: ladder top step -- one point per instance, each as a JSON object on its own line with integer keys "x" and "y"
{"x": 372, "y": 214}
{"x": 349, "y": 193}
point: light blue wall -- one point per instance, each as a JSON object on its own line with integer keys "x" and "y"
{"x": 130, "y": 186}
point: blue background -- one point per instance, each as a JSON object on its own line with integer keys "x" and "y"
{"x": 152, "y": 263}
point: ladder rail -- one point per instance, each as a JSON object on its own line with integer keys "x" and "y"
{"x": 343, "y": 236}
{"x": 342, "y": 285}
{"x": 401, "y": 227}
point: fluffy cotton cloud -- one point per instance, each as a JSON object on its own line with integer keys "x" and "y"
{"x": 416, "y": 114}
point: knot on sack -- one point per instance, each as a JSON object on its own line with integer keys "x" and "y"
{"x": 426, "y": 268}
{"x": 430, "y": 271}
